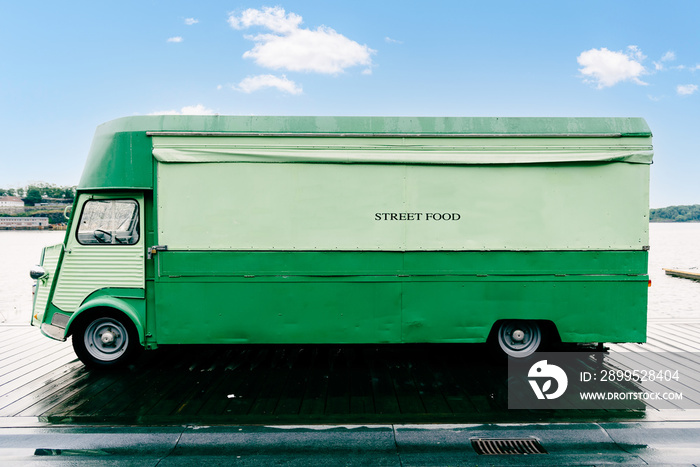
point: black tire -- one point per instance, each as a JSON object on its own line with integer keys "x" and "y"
{"x": 519, "y": 338}
{"x": 105, "y": 340}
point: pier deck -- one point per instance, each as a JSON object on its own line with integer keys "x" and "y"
{"x": 42, "y": 382}
{"x": 694, "y": 275}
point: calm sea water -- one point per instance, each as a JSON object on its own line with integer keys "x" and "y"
{"x": 19, "y": 251}
{"x": 675, "y": 246}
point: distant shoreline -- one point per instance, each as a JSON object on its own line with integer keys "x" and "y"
{"x": 685, "y": 213}
{"x": 33, "y": 229}
{"x": 657, "y": 221}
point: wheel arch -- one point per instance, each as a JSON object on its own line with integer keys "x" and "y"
{"x": 99, "y": 305}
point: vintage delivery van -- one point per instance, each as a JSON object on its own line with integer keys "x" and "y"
{"x": 213, "y": 229}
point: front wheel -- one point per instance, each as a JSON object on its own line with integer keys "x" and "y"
{"x": 106, "y": 340}
{"x": 518, "y": 338}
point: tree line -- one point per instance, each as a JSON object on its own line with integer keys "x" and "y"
{"x": 689, "y": 213}
{"x": 38, "y": 192}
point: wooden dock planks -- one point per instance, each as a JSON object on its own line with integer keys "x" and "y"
{"x": 694, "y": 275}
{"x": 258, "y": 384}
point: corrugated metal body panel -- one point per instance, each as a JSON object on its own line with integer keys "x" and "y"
{"x": 288, "y": 311}
{"x": 331, "y": 207}
{"x": 362, "y": 297}
{"x": 224, "y": 264}
{"x": 49, "y": 262}
{"x": 584, "y": 308}
{"x": 438, "y": 309}
{"x": 87, "y": 268}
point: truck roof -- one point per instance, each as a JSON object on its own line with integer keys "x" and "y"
{"x": 122, "y": 152}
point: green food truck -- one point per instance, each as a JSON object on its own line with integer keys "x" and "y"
{"x": 352, "y": 230}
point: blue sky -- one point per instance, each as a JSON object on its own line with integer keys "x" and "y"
{"x": 66, "y": 67}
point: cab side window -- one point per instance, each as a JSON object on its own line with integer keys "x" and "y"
{"x": 113, "y": 222}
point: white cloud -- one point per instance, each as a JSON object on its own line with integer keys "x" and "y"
{"x": 191, "y": 21}
{"x": 273, "y": 19}
{"x": 669, "y": 56}
{"x": 686, "y": 89}
{"x": 389, "y": 40}
{"x": 606, "y": 68}
{"x": 293, "y": 48}
{"x": 175, "y": 39}
{"x": 636, "y": 53}
{"x": 255, "y": 83}
{"x": 198, "y": 109}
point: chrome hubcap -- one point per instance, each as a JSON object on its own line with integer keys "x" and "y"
{"x": 106, "y": 339}
{"x": 519, "y": 338}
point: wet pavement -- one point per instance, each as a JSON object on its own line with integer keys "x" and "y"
{"x": 312, "y": 405}
{"x": 651, "y": 443}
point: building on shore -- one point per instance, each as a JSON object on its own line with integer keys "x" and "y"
{"x": 22, "y": 223}
{"x": 11, "y": 202}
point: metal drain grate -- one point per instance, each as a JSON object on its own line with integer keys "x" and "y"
{"x": 491, "y": 446}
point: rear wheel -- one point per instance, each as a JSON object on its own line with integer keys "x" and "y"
{"x": 519, "y": 338}
{"x": 106, "y": 340}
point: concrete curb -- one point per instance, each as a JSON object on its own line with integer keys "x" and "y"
{"x": 627, "y": 443}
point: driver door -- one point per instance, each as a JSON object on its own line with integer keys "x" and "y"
{"x": 105, "y": 249}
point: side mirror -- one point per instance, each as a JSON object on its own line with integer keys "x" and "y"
{"x": 37, "y": 272}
